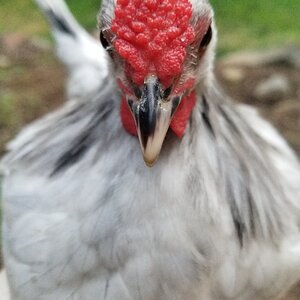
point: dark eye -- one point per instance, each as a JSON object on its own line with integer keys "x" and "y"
{"x": 207, "y": 38}
{"x": 104, "y": 41}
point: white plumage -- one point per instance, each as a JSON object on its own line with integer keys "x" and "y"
{"x": 82, "y": 54}
{"x": 217, "y": 217}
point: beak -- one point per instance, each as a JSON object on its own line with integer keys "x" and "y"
{"x": 153, "y": 115}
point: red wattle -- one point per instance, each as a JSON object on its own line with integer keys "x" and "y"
{"x": 127, "y": 118}
{"x": 182, "y": 114}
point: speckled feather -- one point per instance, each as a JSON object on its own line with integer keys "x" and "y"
{"x": 216, "y": 218}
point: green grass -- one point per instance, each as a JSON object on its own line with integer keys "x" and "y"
{"x": 241, "y": 23}
{"x": 257, "y": 23}
{"x": 85, "y": 11}
{"x": 23, "y": 15}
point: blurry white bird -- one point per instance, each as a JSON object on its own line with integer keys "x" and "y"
{"x": 81, "y": 53}
{"x": 216, "y": 217}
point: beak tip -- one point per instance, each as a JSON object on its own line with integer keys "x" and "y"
{"x": 152, "y": 151}
{"x": 149, "y": 162}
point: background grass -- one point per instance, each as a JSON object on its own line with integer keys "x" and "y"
{"x": 257, "y": 23}
{"x": 241, "y": 23}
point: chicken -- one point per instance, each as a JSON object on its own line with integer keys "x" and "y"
{"x": 215, "y": 217}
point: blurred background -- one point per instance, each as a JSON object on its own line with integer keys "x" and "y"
{"x": 32, "y": 80}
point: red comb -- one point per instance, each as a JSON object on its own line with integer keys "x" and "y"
{"x": 152, "y": 36}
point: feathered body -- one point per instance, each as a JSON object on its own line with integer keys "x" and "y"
{"x": 217, "y": 217}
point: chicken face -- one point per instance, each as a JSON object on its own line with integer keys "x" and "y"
{"x": 156, "y": 47}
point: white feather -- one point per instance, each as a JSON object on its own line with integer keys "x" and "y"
{"x": 82, "y": 54}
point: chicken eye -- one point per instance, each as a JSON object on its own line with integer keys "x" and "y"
{"x": 104, "y": 41}
{"x": 207, "y": 38}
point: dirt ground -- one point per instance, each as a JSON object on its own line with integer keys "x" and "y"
{"x": 32, "y": 83}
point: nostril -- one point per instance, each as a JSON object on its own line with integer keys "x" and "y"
{"x": 167, "y": 92}
{"x": 137, "y": 92}
{"x": 130, "y": 104}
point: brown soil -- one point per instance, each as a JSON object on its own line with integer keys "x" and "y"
{"x": 33, "y": 81}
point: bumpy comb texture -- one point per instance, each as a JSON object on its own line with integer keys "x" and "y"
{"x": 152, "y": 37}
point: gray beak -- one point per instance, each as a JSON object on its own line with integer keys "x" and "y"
{"x": 153, "y": 115}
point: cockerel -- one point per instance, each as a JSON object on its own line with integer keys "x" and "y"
{"x": 215, "y": 217}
